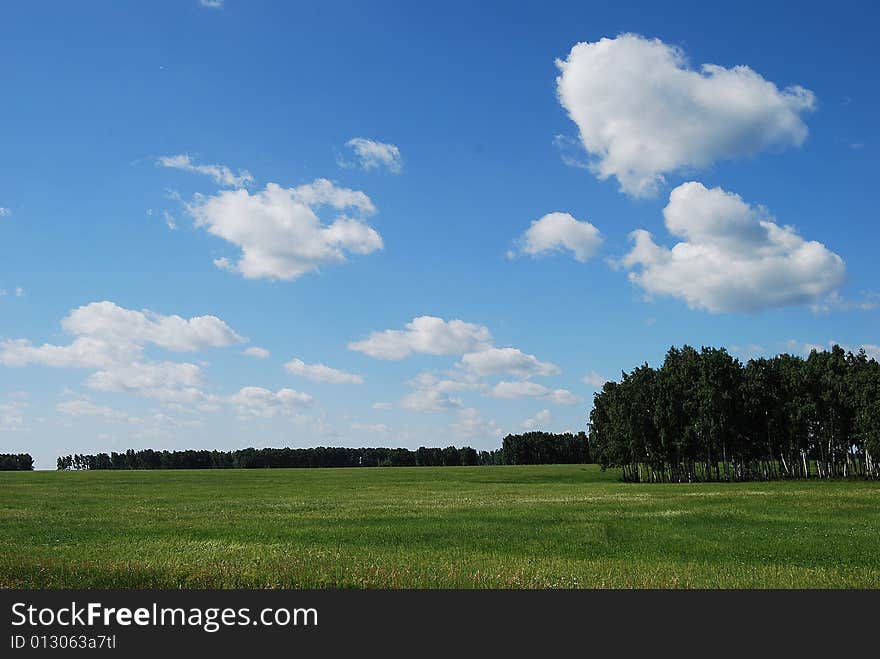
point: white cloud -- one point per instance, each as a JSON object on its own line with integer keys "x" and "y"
{"x": 147, "y": 377}
{"x": 321, "y": 373}
{"x": 734, "y": 257}
{"x": 560, "y": 231}
{"x": 82, "y": 407}
{"x": 83, "y": 352}
{"x": 220, "y": 174}
{"x": 278, "y": 231}
{"x": 797, "y": 347}
{"x": 471, "y": 425}
{"x": 212, "y": 4}
{"x": 258, "y": 353}
{"x": 5, "y": 212}
{"x": 540, "y": 419}
{"x": 371, "y": 154}
{"x": 435, "y": 394}
{"x": 642, "y": 112}
{"x": 494, "y": 361}
{"x": 748, "y": 351}
{"x": 12, "y": 415}
{"x": 514, "y": 390}
{"x": 111, "y": 339}
{"x": 110, "y": 322}
{"x": 836, "y": 302}
{"x": 323, "y": 192}
{"x": 382, "y": 406}
{"x": 19, "y": 291}
{"x": 260, "y": 402}
{"x": 380, "y": 428}
{"x": 425, "y": 335}
{"x": 595, "y": 380}
{"x": 164, "y": 419}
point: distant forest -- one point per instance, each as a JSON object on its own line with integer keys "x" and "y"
{"x": 700, "y": 416}
{"x": 16, "y": 462}
{"x": 529, "y": 448}
{"x": 704, "y": 416}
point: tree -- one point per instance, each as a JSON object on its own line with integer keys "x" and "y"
{"x": 705, "y": 416}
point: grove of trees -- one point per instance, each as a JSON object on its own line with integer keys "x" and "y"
{"x": 534, "y": 448}
{"x": 16, "y": 462}
{"x": 704, "y": 416}
{"x": 252, "y": 458}
{"x": 531, "y": 448}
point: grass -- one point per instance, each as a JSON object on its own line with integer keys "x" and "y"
{"x": 469, "y": 527}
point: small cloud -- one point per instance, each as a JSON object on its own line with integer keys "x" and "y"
{"x": 5, "y": 212}
{"x": 220, "y": 174}
{"x": 523, "y": 389}
{"x": 370, "y": 427}
{"x": 426, "y": 335}
{"x": 800, "y": 348}
{"x": 556, "y": 232}
{"x": 19, "y": 291}
{"x": 382, "y": 406}
{"x": 857, "y": 145}
{"x": 595, "y": 380}
{"x": 223, "y": 263}
{"x": 571, "y": 152}
{"x": 495, "y": 361}
{"x": 259, "y": 353}
{"x": 169, "y": 220}
{"x": 542, "y": 418}
{"x": 836, "y": 302}
{"x": 748, "y": 351}
{"x": 321, "y": 373}
{"x": 370, "y": 154}
{"x": 212, "y": 4}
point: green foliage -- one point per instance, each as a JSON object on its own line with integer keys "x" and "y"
{"x": 252, "y": 458}
{"x": 703, "y": 416}
{"x": 531, "y": 448}
{"x": 535, "y": 448}
{"x": 16, "y": 462}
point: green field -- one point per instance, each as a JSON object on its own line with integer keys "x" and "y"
{"x": 459, "y": 527}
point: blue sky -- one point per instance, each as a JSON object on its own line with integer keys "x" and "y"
{"x": 112, "y": 115}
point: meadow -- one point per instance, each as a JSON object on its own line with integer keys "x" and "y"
{"x": 549, "y": 526}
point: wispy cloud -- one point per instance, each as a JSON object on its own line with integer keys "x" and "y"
{"x": 220, "y": 174}
{"x": 370, "y": 154}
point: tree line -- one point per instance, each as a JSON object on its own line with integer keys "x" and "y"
{"x": 532, "y": 448}
{"x": 16, "y": 462}
{"x": 704, "y": 416}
